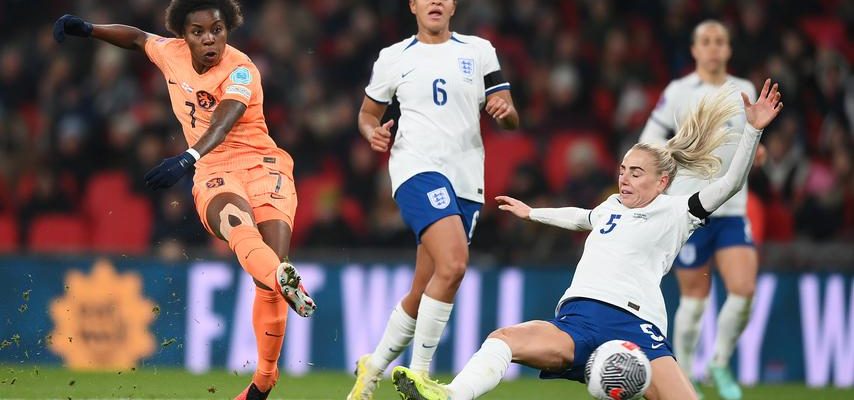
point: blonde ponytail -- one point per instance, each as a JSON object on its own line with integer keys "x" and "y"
{"x": 702, "y": 131}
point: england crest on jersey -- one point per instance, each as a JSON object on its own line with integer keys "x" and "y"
{"x": 439, "y": 198}
{"x": 467, "y": 68}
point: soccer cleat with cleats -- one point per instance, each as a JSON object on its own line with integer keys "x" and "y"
{"x": 367, "y": 380}
{"x": 727, "y": 387}
{"x": 253, "y": 393}
{"x": 294, "y": 293}
{"x": 411, "y": 385}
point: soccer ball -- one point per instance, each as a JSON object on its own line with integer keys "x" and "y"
{"x": 618, "y": 370}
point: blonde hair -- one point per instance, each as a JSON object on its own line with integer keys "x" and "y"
{"x": 702, "y": 131}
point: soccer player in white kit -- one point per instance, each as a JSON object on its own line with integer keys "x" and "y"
{"x": 441, "y": 79}
{"x": 727, "y": 235}
{"x": 635, "y": 235}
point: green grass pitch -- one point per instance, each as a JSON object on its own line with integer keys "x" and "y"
{"x": 29, "y": 382}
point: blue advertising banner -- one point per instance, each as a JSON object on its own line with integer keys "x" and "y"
{"x": 112, "y": 314}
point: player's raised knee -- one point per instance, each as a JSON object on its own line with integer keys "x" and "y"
{"x": 231, "y": 217}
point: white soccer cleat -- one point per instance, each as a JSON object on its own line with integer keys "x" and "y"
{"x": 293, "y": 291}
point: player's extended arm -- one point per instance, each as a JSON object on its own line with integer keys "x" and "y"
{"x": 370, "y": 115}
{"x": 123, "y": 36}
{"x": 170, "y": 170}
{"x": 572, "y": 218}
{"x": 759, "y": 115}
{"x": 500, "y": 106}
{"x": 226, "y": 114}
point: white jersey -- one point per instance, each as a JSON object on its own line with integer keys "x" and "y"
{"x": 678, "y": 99}
{"x": 441, "y": 89}
{"x": 627, "y": 253}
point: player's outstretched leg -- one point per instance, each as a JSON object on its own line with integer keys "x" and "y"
{"x": 446, "y": 243}
{"x": 413, "y": 385}
{"x": 257, "y": 258}
{"x": 398, "y": 333}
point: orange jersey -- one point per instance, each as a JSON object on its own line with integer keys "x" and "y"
{"x": 195, "y": 97}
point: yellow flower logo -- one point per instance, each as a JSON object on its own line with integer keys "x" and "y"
{"x": 102, "y": 321}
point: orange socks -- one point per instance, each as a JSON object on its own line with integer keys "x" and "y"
{"x": 258, "y": 259}
{"x": 269, "y": 318}
{"x": 269, "y": 310}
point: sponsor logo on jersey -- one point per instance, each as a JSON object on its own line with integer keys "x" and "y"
{"x": 439, "y": 198}
{"x": 206, "y": 100}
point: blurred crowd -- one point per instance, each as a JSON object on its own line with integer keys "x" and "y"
{"x": 584, "y": 75}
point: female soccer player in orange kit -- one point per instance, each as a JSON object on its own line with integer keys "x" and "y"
{"x": 243, "y": 185}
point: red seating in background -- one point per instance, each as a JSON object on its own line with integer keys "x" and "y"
{"x": 309, "y": 191}
{"x": 8, "y": 234}
{"x": 104, "y": 190}
{"x": 756, "y": 216}
{"x": 779, "y": 222}
{"x": 121, "y": 221}
{"x": 504, "y": 153}
{"x": 557, "y": 156}
{"x": 123, "y": 227}
{"x": 58, "y": 233}
{"x": 825, "y": 31}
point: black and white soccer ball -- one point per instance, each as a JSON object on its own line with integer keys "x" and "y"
{"x": 618, "y": 370}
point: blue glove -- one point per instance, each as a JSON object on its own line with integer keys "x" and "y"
{"x": 72, "y": 25}
{"x": 169, "y": 171}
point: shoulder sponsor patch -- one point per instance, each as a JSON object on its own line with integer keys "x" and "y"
{"x": 241, "y": 76}
{"x": 239, "y": 90}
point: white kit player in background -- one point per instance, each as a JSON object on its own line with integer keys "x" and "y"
{"x": 727, "y": 235}
{"x": 635, "y": 235}
{"x": 442, "y": 80}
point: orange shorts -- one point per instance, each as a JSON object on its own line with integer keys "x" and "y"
{"x": 271, "y": 193}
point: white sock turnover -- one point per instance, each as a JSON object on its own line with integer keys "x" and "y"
{"x": 483, "y": 372}
{"x": 433, "y": 315}
{"x": 398, "y": 334}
